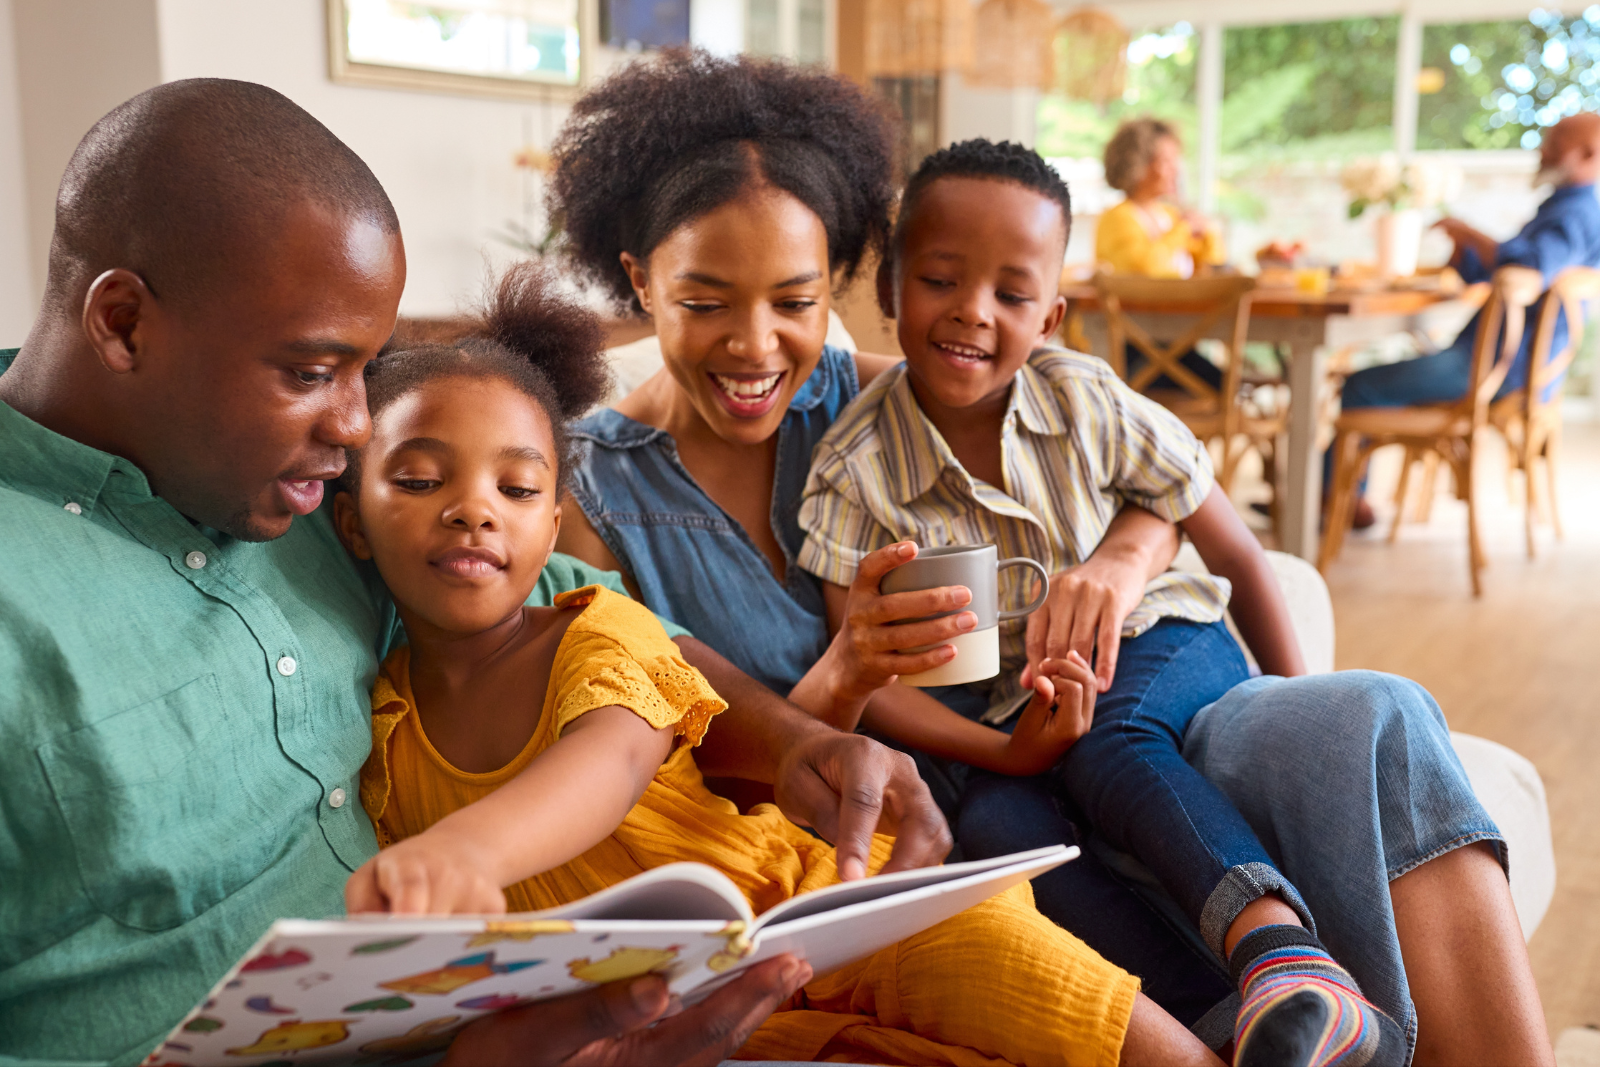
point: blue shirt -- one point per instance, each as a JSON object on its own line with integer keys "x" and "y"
{"x": 691, "y": 561}
{"x": 1564, "y": 232}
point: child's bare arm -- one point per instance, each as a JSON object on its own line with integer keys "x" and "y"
{"x": 1231, "y": 551}
{"x": 1060, "y": 712}
{"x": 567, "y": 800}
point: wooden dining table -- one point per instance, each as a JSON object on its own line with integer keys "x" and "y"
{"x": 1307, "y": 327}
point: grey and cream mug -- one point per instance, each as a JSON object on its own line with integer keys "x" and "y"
{"x": 977, "y": 568}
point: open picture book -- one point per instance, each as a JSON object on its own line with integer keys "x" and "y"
{"x": 384, "y": 989}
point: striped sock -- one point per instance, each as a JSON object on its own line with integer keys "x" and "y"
{"x": 1301, "y": 1009}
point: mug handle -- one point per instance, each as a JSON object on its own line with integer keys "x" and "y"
{"x": 1044, "y": 578}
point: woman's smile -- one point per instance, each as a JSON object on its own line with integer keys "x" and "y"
{"x": 748, "y": 395}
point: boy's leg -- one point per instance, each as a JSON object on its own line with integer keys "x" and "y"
{"x": 1129, "y": 778}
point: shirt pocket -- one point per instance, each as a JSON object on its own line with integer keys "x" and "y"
{"x": 155, "y": 835}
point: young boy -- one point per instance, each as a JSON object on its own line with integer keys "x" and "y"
{"x": 986, "y": 435}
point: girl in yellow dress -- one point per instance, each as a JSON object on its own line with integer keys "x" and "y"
{"x": 475, "y": 788}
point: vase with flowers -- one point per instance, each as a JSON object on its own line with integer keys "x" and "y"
{"x": 1406, "y": 191}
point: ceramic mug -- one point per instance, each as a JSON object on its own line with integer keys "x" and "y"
{"x": 976, "y": 567}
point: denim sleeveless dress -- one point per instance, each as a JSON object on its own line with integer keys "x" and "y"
{"x": 691, "y": 561}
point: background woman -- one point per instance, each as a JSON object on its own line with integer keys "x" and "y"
{"x": 725, "y": 199}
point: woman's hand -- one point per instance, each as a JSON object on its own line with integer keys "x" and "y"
{"x": 1060, "y": 712}
{"x": 868, "y": 649}
{"x": 430, "y": 874}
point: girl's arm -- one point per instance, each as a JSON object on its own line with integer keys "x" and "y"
{"x": 1231, "y": 551}
{"x": 567, "y": 800}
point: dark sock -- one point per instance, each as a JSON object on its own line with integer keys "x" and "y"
{"x": 1301, "y": 1009}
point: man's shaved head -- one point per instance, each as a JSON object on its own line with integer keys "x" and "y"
{"x": 1570, "y": 151}
{"x": 176, "y": 183}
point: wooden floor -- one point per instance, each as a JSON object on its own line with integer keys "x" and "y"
{"x": 1520, "y": 666}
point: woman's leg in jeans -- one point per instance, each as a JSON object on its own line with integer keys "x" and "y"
{"x": 1129, "y": 778}
{"x": 1351, "y": 783}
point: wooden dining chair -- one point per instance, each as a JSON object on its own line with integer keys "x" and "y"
{"x": 1530, "y": 422}
{"x": 1212, "y": 304}
{"x": 1449, "y": 430}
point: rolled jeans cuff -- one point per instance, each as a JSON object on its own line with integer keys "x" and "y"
{"x": 1242, "y": 885}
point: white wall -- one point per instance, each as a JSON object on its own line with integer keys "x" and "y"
{"x": 445, "y": 160}
{"x": 18, "y": 292}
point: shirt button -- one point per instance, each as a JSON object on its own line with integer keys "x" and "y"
{"x": 194, "y": 560}
{"x": 74, "y": 507}
{"x": 287, "y": 665}
{"x": 336, "y": 799}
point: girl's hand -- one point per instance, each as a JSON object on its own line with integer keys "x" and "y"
{"x": 429, "y": 874}
{"x": 1060, "y": 712}
{"x": 1084, "y": 613}
{"x": 868, "y": 648}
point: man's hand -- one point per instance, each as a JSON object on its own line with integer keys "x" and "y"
{"x": 1060, "y": 712}
{"x": 1084, "y": 613}
{"x": 430, "y": 874}
{"x": 612, "y": 1024}
{"x": 846, "y": 786}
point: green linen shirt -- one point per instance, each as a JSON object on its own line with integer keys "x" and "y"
{"x": 183, "y": 719}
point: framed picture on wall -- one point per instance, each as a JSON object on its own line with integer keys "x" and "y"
{"x": 510, "y": 48}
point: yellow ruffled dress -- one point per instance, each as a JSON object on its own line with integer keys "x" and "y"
{"x": 996, "y": 984}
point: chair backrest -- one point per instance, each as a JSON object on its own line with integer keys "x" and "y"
{"x": 1572, "y": 288}
{"x": 1208, "y": 301}
{"x": 1512, "y": 291}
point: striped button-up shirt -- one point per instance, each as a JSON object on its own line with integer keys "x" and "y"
{"x": 1076, "y": 445}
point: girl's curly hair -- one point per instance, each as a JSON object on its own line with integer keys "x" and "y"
{"x": 529, "y": 335}
{"x": 666, "y": 140}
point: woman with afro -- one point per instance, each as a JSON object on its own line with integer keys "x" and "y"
{"x": 726, "y": 200}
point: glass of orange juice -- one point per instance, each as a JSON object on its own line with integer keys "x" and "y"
{"x": 1313, "y": 281}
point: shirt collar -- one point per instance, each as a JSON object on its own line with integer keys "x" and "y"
{"x": 917, "y": 453}
{"x": 44, "y": 464}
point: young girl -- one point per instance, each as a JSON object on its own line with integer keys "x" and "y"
{"x": 473, "y": 786}
{"x": 984, "y": 435}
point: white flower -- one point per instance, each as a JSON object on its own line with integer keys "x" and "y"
{"x": 1432, "y": 183}
{"x": 1372, "y": 178}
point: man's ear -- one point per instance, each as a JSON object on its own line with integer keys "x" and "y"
{"x": 347, "y": 520}
{"x": 639, "y": 277}
{"x": 116, "y": 305}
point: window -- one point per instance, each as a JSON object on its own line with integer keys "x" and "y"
{"x": 1498, "y": 84}
{"x": 1161, "y": 78}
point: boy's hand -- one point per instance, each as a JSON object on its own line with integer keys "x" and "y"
{"x": 872, "y": 634}
{"x": 1060, "y": 712}
{"x": 1084, "y": 613}
{"x": 429, "y": 874}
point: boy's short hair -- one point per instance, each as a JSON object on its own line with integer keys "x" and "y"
{"x": 977, "y": 158}
{"x": 530, "y": 335}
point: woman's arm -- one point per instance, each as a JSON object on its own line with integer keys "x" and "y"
{"x": 1231, "y": 551}
{"x": 567, "y": 800}
{"x": 577, "y": 539}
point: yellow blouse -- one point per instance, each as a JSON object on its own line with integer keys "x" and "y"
{"x": 997, "y": 984}
{"x": 1124, "y": 242}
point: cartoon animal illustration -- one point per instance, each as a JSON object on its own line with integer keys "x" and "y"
{"x": 518, "y": 930}
{"x": 270, "y": 961}
{"x": 372, "y": 948}
{"x": 434, "y": 1035}
{"x": 292, "y": 1035}
{"x": 455, "y": 974}
{"x": 737, "y": 948}
{"x": 623, "y": 963}
{"x": 265, "y": 1006}
{"x": 381, "y": 1004}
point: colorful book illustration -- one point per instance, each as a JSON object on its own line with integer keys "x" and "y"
{"x": 390, "y": 990}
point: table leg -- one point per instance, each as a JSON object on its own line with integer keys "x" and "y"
{"x": 1303, "y": 476}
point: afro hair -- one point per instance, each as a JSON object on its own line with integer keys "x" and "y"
{"x": 666, "y": 140}
{"x": 529, "y": 335}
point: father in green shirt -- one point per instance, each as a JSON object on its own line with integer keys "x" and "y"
{"x": 185, "y": 648}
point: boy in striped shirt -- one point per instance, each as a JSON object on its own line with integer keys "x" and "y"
{"x": 985, "y": 434}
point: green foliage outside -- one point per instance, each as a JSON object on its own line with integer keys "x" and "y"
{"x": 1319, "y": 90}
{"x": 1504, "y": 81}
